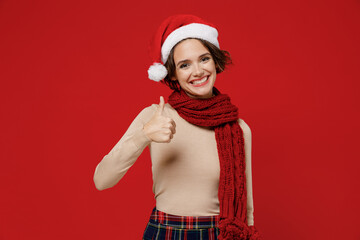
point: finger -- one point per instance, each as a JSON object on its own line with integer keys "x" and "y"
{"x": 161, "y": 106}
{"x": 173, "y": 123}
{"x": 167, "y": 138}
{"x": 172, "y": 128}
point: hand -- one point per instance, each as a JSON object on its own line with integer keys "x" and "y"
{"x": 160, "y": 128}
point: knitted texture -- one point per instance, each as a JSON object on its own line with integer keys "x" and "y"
{"x": 218, "y": 112}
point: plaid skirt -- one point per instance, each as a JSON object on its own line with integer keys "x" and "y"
{"x": 163, "y": 226}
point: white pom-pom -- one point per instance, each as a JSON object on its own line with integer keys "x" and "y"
{"x": 157, "y": 72}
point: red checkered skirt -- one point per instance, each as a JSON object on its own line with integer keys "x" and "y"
{"x": 163, "y": 226}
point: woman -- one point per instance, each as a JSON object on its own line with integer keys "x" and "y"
{"x": 200, "y": 149}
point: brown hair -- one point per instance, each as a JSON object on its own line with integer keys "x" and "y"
{"x": 221, "y": 58}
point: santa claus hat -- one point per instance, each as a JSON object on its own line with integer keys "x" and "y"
{"x": 171, "y": 31}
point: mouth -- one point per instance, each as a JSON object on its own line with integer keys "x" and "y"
{"x": 199, "y": 82}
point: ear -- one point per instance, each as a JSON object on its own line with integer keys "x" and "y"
{"x": 173, "y": 78}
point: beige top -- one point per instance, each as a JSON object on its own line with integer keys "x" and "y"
{"x": 185, "y": 171}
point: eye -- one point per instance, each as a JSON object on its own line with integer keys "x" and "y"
{"x": 184, "y": 65}
{"x": 204, "y": 59}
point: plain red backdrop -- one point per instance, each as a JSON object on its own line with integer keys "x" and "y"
{"x": 73, "y": 77}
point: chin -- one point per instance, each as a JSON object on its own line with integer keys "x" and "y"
{"x": 201, "y": 94}
{"x": 203, "y": 91}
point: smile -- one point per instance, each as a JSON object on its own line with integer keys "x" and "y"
{"x": 200, "y": 82}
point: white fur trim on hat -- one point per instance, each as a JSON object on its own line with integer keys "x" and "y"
{"x": 193, "y": 30}
{"x": 157, "y": 72}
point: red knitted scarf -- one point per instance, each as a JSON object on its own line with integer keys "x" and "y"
{"x": 218, "y": 112}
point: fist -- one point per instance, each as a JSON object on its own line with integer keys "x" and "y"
{"x": 160, "y": 128}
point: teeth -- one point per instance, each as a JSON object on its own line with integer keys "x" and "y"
{"x": 200, "y": 81}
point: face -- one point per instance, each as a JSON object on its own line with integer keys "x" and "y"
{"x": 195, "y": 68}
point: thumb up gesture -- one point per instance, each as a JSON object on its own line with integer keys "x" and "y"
{"x": 160, "y": 128}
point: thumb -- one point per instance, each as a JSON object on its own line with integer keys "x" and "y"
{"x": 161, "y": 106}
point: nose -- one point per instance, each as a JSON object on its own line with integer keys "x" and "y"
{"x": 198, "y": 70}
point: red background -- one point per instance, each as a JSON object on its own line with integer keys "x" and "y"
{"x": 73, "y": 77}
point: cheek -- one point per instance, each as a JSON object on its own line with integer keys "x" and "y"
{"x": 211, "y": 67}
{"x": 183, "y": 75}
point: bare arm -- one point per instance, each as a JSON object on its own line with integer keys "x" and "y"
{"x": 247, "y": 146}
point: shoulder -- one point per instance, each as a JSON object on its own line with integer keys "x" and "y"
{"x": 247, "y": 138}
{"x": 145, "y": 114}
{"x": 149, "y": 110}
{"x": 245, "y": 128}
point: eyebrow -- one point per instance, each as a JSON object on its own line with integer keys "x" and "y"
{"x": 185, "y": 60}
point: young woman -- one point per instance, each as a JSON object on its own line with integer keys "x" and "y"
{"x": 200, "y": 149}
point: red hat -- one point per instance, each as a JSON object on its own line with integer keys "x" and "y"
{"x": 171, "y": 31}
